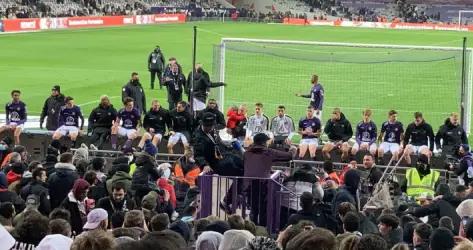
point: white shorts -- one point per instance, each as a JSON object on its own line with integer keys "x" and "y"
{"x": 174, "y": 139}
{"x": 389, "y": 147}
{"x": 157, "y": 135}
{"x": 126, "y": 131}
{"x": 197, "y": 105}
{"x": 371, "y": 147}
{"x": 21, "y": 126}
{"x": 66, "y": 130}
{"x": 417, "y": 149}
{"x": 309, "y": 141}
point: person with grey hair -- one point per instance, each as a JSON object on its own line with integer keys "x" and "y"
{"x": 100, "y": 122}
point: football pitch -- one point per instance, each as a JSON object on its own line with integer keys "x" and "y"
{"x": 88, "y": 63}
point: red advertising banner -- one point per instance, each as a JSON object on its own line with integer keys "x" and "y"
{"x": 32, "y": 24}
{"x": 382, "y": 25}
{"x": 29, "y": 24}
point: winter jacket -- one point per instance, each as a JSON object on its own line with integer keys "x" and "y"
{"x": 156, "y": 61}
{"x": 419, "y": 135}
{"x": 51, "y": 109}
{"x": 466, "y": 162}
{"x": 61, "y": 182}
{"x": 437, "y": 210}
{"x": 186, "y": 172}
{"x": 451, "y": 135}
{"x": 112, "y": 206}
{"x": 258, "y": 160}
{"x": 158, "y": 120}
{"x": 41, "y": 190}
{"x": 164, "y": 184}
{"x": 347, "y": 193}
{"x": 134, "y": 90}
{"x": 180, "y": 121}
{"x": 202, "y": 85}
{"x": 233, "y": 117}
{"x": 175, "y": 84}
{"x": 102, "y": 117}
{"x": 301, "y": 181}
{"x": 119, "y": 176}
{"x": 394, "y": 237}
{"x": 145, "y": 175}
{"x": 78, "y": 215}
{"x": 339, "y": 130}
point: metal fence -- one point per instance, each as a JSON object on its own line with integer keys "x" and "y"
{"x": 258, "y": 199}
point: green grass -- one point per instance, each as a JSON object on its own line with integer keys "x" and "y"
{"x": 90, "y": 62}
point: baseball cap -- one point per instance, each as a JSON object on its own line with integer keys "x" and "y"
{"x": 95, "y": 217}
{"x": 57, "y": 88}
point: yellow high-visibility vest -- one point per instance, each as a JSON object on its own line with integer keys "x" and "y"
{"x": 416, "y": 186}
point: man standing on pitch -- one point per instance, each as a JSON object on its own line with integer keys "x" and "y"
{"x": 156, "y": 66}
{"x": 316, "y": 96}
{"x": 51, "y": 109}
{"x": 134, "y": 90}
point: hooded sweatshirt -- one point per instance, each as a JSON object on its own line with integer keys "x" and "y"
{"x": 235, "y": 239}
{"x": 451, "y": 135}
{"x": 55, "y": 242}
{"x": 339, "y": 130}
{"x": 208, "y": 241}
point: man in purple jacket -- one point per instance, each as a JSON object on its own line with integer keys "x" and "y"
{"x": 258, "y": 160}
{"x": 15, "y": 112}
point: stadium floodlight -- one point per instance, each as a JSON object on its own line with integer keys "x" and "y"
{"x": 461, "y": 17}
{"x": 407, "y": 78}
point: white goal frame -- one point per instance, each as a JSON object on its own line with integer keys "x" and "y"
{"x": 460, "y": 12}
{"x": 467, "y": 105}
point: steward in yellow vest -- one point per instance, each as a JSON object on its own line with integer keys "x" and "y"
{"x": 421, "y": 180}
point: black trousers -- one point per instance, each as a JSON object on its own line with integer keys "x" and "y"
{"x": 155, "y": 73}
{"x": 257, "y": 192}
{"x": 99, "y": 136}
{"x": 173, "y": 100}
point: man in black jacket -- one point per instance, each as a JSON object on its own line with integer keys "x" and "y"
{"x": 118, "y": 201}
{"x": 174, "y": 82}
{"x": 100, "y": 122}
{"x": 339, "y": 131}
{"x": 212, "y": 107}
{"x": 181, "y": 126}
{"x": 134, "y": 90}
{"x": 156, "y": 65}
{"x": 62, "y": 180}
{"x": 51, "y": 109}
{"x": 38, "y": 187}
{"x": 155, "y": 123}
{"x": 418, "y": 139}
{"x": 450, "y": 134}
{"x": 201, "y": 87}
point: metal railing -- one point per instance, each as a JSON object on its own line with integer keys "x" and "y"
{"x": 257, "y": 198}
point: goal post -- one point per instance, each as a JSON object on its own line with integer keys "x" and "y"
{"x": 406, "y": 78}
{"x": 461, "y": 17}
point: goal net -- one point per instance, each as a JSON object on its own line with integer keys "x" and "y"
{"x": 354, "y": 76}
